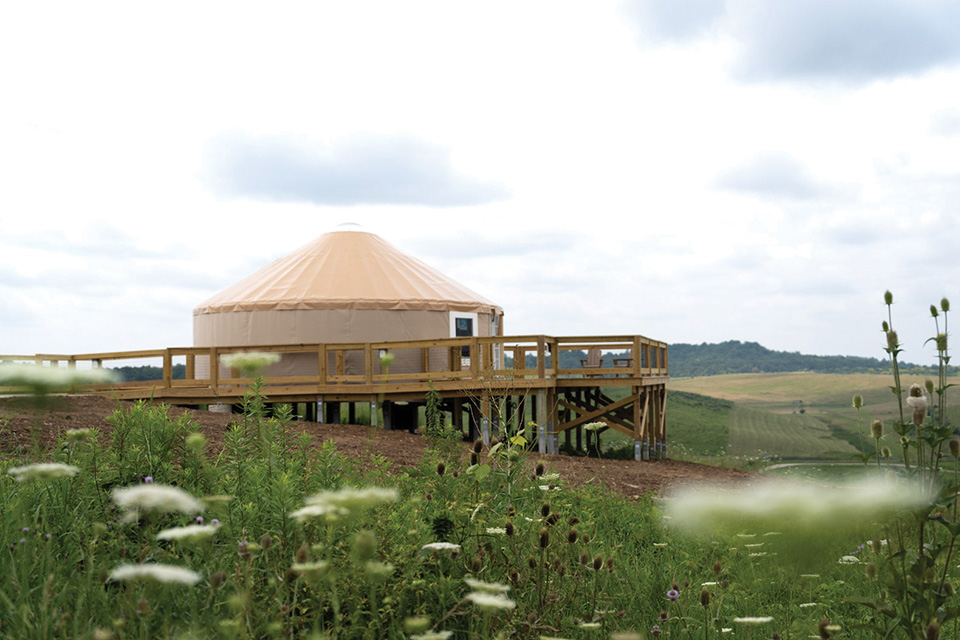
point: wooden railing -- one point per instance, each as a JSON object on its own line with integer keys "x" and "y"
{"x": 435, "y": 360}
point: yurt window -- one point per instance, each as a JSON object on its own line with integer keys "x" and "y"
{"x": 463, "y": 325}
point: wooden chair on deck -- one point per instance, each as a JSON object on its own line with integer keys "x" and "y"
{"x": 594, "y": 360}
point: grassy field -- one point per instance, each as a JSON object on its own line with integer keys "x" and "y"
{"x": 764, "y": 422}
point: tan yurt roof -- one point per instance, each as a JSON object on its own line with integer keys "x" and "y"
{"x": 347, "y": 270}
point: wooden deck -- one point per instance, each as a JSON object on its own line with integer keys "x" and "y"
{"x": 481, "y": 393}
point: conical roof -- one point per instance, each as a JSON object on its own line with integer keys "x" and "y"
{"x": 347, "y": 270}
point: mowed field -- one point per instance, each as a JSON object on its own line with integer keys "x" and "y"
{"x": 762, "y": 420}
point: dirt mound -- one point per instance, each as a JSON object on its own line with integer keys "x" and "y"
{"x": 629, "y": 478}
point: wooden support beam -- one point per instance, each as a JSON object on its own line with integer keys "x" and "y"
{"x": 602, "y": 411}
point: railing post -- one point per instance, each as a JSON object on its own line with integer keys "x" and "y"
{"x": 368, "y": 362}
{"x": 322, "y": 363}
{"x": 541, "y": 358}
{"x": 214, "y": 367}
{"x": 191, "y": 373}
{"x": 167, "y": 369}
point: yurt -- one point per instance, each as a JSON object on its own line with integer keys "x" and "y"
{"x": 348, "y": 285}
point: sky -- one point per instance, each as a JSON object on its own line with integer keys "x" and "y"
{"x": 694, "y": 171}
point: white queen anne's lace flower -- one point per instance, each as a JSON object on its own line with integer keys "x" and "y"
{"x": 189, "y": 533}
{"x": 42, "y": 471}
{"x": 165, "y": 573}
{"x": 491, "y": 601}
{"x": 155, "y": 498}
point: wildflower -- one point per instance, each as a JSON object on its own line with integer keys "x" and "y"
{"x": 664, "y": 616}
{"x": 848, "y": 560}
{"x": 165, "y": 573}
{"x": 549, "y": 487}
{"x": 660, "y": 544}
{"x": 496, "y": 531}
{"x": 594, "y": 426}
{"x": 41, "y": 380}
{"x": 589, "y": 625}
{"x": 440, "y": 546}
{"x": 42, "y": 471}
{"x": 76, "y": 436}
{"x": 333, "y": 505}
{"x": 754, "y": 620}
{"x": 416, "y": 624}
{"x": 378, "y": 570}
{"x": 386, "y": 360}
{"x": 673, "y": 595}
{"x": 655, "y": 630}
{"x": 433, "y": 635}
{"x": 143, "y": 607}
{"x": 808, "y": 605}
{"x": 148, "y": 480}
{"x": 155, "y": 498}
{"x": 489, "y": 587}
{"x": 189, "y": 533}
{"x": 250, "y": 362}
{"x": 490, "y": 601}
{"x": 310, "y": 570}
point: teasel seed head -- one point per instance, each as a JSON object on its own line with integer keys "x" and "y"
{"x": 531, "y": 563}
{"x": 266, "y": 541}
{"x": 822, "y": 628}
{"x": 704, "y": 598}
{"x": 143, "y": 607}
{"x": 573, "y": 520}
{"x": 876, "y": 429}
{"x": 216, "y": 579}
{"x": 544, "y": 538}
{"x": 928, "y": 385}
{"x": 954, "y": 445}
{"x": 441, "y": 468}
{"x": 477, "y": 445}
{"x": 887, "y": 297}
{"x": 553, "y": 519}
{"x": 944, "y": 305}
{"x": 717, "y": 567}
{"x": 474, "y": 458}
{"x": 597, "y": 563}
{"x": 933, "y": 311}
{"x": 857, "y": 401}
{"x": 572, "y": 536}
{"x": 508, "y": 528}
{"x": 303, "y": 554}
{"x": 584, "y": 558}
{"x": 545, "y": 509}
{"x": 876, "y": 546}
{"x": 870, "y": 569}
{"x": 885, "y": 452}
{"x": 539, "y": 469}
{"x": 893, "y": 342}
{"x": 609, "y": 564}
{"x": 884, "y": 326}
{"x": 586, "y": 538}
{"x": 475, "y": 565}
{"x": 932, "y": 631}
{"x": 941, "y": 342}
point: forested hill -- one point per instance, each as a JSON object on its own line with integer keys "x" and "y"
{"x": 733, "y": 356}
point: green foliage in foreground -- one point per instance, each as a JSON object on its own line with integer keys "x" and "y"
{"x": 399, "y": 561}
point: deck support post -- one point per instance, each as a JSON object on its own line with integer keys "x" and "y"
{"x": 320, "y": 411}
{"x": 645, "y": 450}
{"x": 541, "y": 418}
{"x": 352, "y": 413}
{"x": 485, "y": 419}
{"x": 553, "y": 438}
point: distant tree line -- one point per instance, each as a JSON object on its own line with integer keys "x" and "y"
{"x": 137, "y": 374}
{"x": 733, "y": 356}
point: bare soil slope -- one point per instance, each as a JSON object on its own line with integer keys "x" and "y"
{"x": 626, "y": 477}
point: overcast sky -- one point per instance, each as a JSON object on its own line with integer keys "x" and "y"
{"x": 693, "y": 171}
